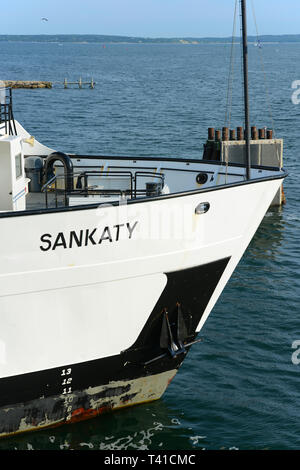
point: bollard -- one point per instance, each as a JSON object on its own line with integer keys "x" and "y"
{"x": 232, "y": 134}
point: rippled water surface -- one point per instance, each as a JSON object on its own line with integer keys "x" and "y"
{"x": 239, "y": 387}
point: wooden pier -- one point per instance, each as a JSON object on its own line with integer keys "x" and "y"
{"x": 229, "y": 146}
{"x": 80, "y": 83}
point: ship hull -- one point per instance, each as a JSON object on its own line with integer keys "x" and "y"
{"x": 70, "y": 406}
{"x": 100, "y": 306}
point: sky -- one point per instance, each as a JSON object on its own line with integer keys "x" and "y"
{"x": 146, "y": 18}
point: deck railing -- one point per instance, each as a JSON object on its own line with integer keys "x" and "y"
{"x": 104, "y": 183}
{"x": 6, "y": 111}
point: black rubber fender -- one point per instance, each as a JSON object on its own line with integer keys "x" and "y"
{"x": 68, "y": 167}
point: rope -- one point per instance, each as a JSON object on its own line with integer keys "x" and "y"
{"x": 231, "y": 74}
{"x": 265, "y": 82}
{"x": 230, "y": 87}
{"x": 263, "y": 68}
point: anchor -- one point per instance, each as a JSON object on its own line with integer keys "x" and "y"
{"x": 174, "y": 346}
{"x": 166, "y": 336}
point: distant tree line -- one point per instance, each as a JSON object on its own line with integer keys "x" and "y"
{"x": 98, "y": 38}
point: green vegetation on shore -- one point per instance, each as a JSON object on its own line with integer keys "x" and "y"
{"x": 98, "y": 38}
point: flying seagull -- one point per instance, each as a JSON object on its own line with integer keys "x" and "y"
{"x": 44, "y": 19}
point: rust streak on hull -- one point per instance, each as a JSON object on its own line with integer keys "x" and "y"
{"x": 52, "y": 412}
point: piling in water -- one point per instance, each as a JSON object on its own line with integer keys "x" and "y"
{"x": 240, "y": 133}
{"x": 232, "y": 134}
{"x": 218, "y": 135}
{"x": 211, "y": 133}
{"x": 225, "y": 134}
{"x": 79, "y": 83}
{"x": 228, "y": 145}
{"x": 254, "y": 133}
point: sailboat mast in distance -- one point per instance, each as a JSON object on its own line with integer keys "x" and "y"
{"x": 246, "y": 91}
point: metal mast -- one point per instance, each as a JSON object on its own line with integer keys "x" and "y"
{"x": 246, "y": 92}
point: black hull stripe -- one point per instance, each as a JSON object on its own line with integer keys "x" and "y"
{"x": 190, "y": 288}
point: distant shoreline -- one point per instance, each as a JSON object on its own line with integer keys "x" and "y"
{"x": 107, "y": 39}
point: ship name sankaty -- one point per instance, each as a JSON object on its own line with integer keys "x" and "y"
{"x": 87, "y": 237}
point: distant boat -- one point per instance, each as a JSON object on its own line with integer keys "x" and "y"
{"x": 258, "y": 44}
